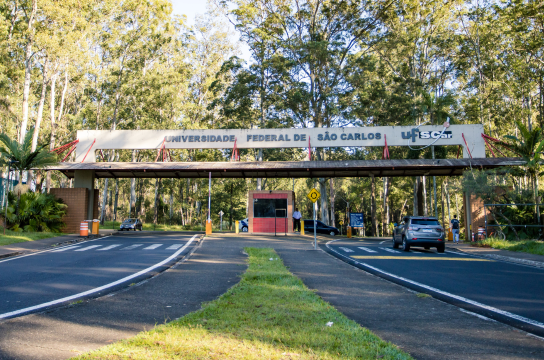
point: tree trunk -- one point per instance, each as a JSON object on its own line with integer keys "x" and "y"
{"x": 231, "y": 210}
{"x": 156, "y": 201}
{"x": 424, "y": 183}
{"x": 385, "y": 213}
{"x": 132, "y": 205}
{"x": 28, "y": 70}
{"x": 116, "y": 199}
{"x": 373, "y": 206}
{"x": 448, "y": 200}
{"x": 324, "y": 201}
{"x": 420, "y": 197}
{"x": 63, "y": 96}
{"x": 53, "y": 127}
{"x": 39, "y": 116}
{"x": 104, "y": 201}
{"x": 415, "y": 211}
{"x": 333, "y": 217}
{"x": 442, "y": 205}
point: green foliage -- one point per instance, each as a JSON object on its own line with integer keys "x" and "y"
{"x": 21, "y": 156}
{"x": 35, "y": 212}
{"x": 527, "y": 246}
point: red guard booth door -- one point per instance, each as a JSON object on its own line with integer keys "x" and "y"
{"x": 266, "y": 211}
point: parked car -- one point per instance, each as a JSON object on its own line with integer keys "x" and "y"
{"x": 243, "y": 226}
{"x": 131, "y": 224}
{"x": 419, "y": 231}
{"x": 321, "y": 228}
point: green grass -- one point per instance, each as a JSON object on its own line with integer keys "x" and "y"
{"x": 13, "y": 237}
{"x": 270, "y": 314}
{"x": 528, "y": 246}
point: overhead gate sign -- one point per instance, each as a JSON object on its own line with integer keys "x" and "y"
{"x": 415, "y": 137}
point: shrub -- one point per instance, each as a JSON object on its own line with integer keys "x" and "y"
{"x": 35, "y": 212}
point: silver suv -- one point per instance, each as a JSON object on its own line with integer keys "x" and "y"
{"x": 419, "y": 231}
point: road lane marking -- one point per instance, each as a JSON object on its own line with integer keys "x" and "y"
{"x": 67, "y": 248}
{"x": 109, "y": 247}
{"x": 367, "y": 249}
{"x": 445, "y": 293}
{"x": 174, "y": 247}
{"x": 48, "y": 250}
{"x": 132, "y": 247}
{"x": 390, "y": 250}
{"x": 456, "y": 253}
{"x": 347, "y": 250}
{"x": 88, "y": 248}
{"x": 381, "y": 242}
{"x": 154, "y": 246}
{"x": 104, "y": 287}
{"x": 416, "y": 258}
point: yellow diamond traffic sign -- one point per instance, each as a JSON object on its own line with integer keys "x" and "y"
{"x": 313, "y": 195}
{"x": 341, "y": 222}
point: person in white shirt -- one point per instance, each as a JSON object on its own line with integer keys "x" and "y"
{"x": 296, "y": 218}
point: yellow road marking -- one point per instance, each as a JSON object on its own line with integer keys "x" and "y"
{"x": 416, "y": 258}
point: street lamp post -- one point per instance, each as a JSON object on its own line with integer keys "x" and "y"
{"x": 7, "y": 197}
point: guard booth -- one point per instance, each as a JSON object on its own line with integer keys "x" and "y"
{"x": 270, "y": 212}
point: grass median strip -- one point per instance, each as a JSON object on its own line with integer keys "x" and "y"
{"x": 14, "y": 237}
{"x": 270, "y": 314}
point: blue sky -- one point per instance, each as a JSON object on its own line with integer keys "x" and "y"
{"x": 189, "y": 8}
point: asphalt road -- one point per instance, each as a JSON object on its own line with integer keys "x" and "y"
{"x": 89, "y": 269}
{"x": 506, "y": 292}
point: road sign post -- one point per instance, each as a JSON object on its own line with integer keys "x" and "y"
{"x": 314, "y": 195}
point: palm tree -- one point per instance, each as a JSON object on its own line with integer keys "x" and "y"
{"x": 529, "y": 147}
{"x": 21, "y": 156}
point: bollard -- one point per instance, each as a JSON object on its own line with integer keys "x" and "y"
{"x": 450, "y": 235}
{"x": 349, "y": 232}
{"x": 84, "y": 229}
{"x": 208, "y": 227}
{"x": 301, "y": 227}
{"x": 96, "y": 226}
{"x": 237, "y": 227}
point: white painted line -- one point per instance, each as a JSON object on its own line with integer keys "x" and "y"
{"x": 154, "y": 246}
{"x": 174, "y": 247}
{"x": 109, "y": 247}
{"x": 347, "y": 250}
{"x": 390, "y": 250}
{"x": 48, "y": 250}
{"x": 367, "y": 249}
{"x": 455, "y": 252}
{"x": 132, "y": 247}
{"x": 381, "y": 242}
{"x": 104, "y": 287}
{"x": 67, "y": 248}
{"x": 457, "y": 297}
{"x": 88, "y": 248}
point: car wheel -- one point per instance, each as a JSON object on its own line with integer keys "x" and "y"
{"x": 244, "y": 229}
{"x": 332, "y": 233}
{"x": 440, "y": 248}
{"x": 405, "y": 245}
{"x": 395, "y": 245}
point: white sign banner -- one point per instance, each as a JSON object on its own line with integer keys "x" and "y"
{"x": 92, "y": 140}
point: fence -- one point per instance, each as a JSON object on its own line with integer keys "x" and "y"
{"x": 500, "y": 226}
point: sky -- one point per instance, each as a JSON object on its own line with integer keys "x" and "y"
{"x": 191, "y": 8}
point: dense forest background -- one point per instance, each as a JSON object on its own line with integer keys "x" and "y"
{"x": 67, "y": 65}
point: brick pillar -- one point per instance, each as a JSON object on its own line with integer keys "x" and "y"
{"x": 77, "y": 200}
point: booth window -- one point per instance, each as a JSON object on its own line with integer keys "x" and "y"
{"x": 266, "y": 208}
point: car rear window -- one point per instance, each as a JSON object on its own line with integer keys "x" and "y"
{"x": 424, "y": 222}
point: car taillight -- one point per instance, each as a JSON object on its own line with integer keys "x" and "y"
{"x": 413, "y": 228}
{"x": 441, "y": 229}
{"x": 439, "y": 239}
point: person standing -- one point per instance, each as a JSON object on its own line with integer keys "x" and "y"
{"x": 455, "y": 228}
{"x": 296, "y": 218}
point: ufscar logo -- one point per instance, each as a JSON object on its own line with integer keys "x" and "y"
{"x": 435, "y": 135}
